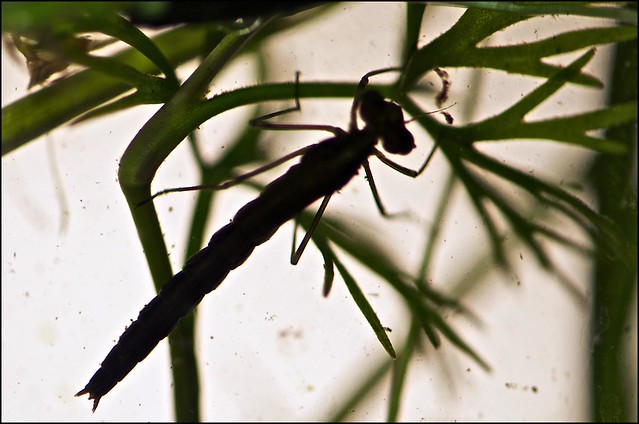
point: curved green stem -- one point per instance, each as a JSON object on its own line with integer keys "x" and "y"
{"x": 137, "y": 168}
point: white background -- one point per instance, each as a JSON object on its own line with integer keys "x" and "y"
{"x": 271, "y": 347}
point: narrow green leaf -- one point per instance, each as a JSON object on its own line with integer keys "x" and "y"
{"x": 429, "y": 318}
{"x": 608, "y": 233}
{"x": 400, "y": 370}
{"x": 118, "y": 27}
{"x": 621, "y": 14}
{"x": 414, "y": 16}
{"x": 372, "y": 256}
{"x": 453, "y": 47}
{"x": 366, "y": 308}
{"x": 30, "y": 16}
{"x": 515, "y": 114}
{"x": 329, "y": 261}
{"x": 349, "y": 402}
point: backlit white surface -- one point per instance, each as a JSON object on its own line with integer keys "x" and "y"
{"x": 271, "y": 347}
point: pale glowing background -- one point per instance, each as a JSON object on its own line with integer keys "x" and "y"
{"x": 271, "y": 347}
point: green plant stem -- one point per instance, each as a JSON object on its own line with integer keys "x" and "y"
{"x": 400, "y": 370}
{"x": 137, "y": 168}
{"x": 614, "y": 290}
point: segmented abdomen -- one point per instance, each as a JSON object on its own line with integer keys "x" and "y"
{"x": 202, "y": 273}
{"x": 228, "y": 248}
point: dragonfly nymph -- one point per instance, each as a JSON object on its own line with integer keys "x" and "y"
{"x": 323, "y": 169}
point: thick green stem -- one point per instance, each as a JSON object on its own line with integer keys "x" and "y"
{"x": 144, "y": 155}
{"x": 615, "y": 290}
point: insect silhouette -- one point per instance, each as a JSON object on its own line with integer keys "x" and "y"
{"x": 323, "y": 169}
